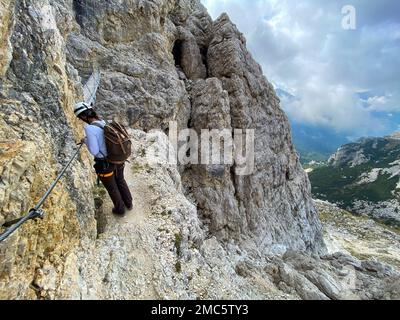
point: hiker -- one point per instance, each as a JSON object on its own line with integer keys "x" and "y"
{"x": 110, "y": 173}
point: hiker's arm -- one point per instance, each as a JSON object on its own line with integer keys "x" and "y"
{"x": 91, "y": 142}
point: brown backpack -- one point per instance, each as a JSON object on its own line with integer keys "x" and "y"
{"x": 118, "y": 144}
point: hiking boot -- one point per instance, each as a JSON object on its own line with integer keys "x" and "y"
{"x": 118, "y": 213}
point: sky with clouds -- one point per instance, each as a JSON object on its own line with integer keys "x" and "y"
{"x": 346, "y": 80}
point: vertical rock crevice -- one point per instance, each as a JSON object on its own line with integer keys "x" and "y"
{"x": 177, "y": 52}
{"x": 188, "y": 57}
{"x": 79, "y": 10}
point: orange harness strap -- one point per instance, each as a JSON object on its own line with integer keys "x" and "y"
{"x": 106, "y": 175}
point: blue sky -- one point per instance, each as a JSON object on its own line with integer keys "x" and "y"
{"x": 345, "y": 80}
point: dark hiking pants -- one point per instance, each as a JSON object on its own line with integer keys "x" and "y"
{"x": 113, "y": 180}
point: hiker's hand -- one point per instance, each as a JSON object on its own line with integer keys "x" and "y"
{"x": 83, "y": 141}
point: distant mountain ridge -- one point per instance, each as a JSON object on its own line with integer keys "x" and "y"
{"x": 363, "y": 177}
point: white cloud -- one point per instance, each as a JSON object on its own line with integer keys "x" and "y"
{"x": 377, "y": 101}
{"x": 382, "y": 104}
{"x": 332, "y": 106}
{"x": 302, "y": 47}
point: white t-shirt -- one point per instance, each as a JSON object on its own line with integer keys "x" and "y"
{"x": 95, "y": 140}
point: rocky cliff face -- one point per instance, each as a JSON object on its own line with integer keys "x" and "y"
{"x": 271, "y": 207}
{"x": 38, "y": 133}
{"x": 170, "y": 61}
{"x": 195, "y": 231}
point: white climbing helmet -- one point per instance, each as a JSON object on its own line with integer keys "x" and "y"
{"x": 81, "y": 107}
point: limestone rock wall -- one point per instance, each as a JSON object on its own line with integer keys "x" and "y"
{"x": 160, "y": 60}
{"x": 154, "y": 72}
{"x": 272, "y": 207}
{"x": 37, "y": 136}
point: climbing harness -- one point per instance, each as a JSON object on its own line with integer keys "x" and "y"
{"x": 36, "y": 212}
